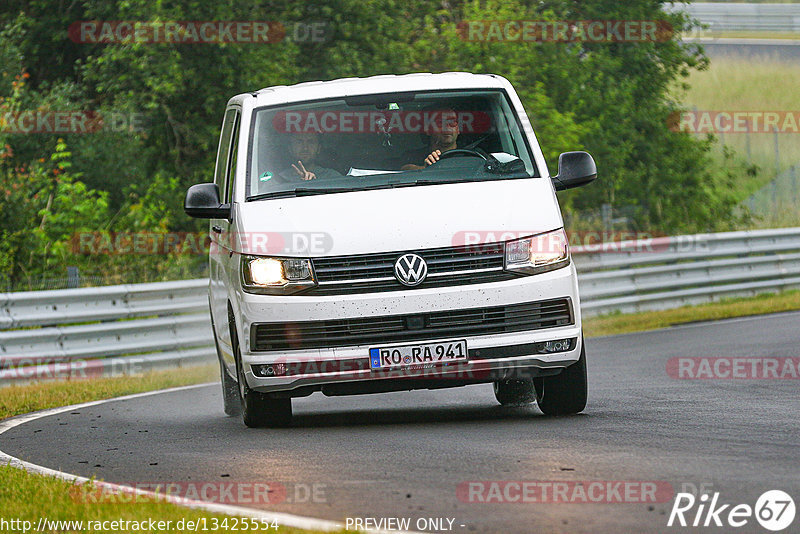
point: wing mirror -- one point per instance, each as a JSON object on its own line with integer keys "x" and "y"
{"x": 202, "y": 202}
{"x": 574, "y": 169}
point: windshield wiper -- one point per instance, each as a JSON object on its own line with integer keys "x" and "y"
{"x": 439, "y": 182}
{"x": 415, "y": 182}
{"x": 309, "y": 191}
{"x": 303, "y": 191}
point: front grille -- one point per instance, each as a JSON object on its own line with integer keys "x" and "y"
{"x": 469, "y": 264}
{"x": 413, "y": 328}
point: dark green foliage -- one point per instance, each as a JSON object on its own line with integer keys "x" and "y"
{"x": 612, "y": 99}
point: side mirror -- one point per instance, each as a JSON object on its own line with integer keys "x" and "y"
{"x": 202, "y": 201}
{"x": 574, "y": 169}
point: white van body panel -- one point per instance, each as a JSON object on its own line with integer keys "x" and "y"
{"x": 409, "y": 218}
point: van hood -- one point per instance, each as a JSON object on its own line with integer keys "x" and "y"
{"x": 388, "y": 220}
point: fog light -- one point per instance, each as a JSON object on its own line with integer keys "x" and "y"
{"x": 268, "y": 370}
{"x": 558, "y": 345}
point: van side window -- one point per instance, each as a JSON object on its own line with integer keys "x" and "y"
{"x": 221, "y": 171}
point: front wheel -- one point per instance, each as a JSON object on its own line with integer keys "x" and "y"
{"x": 566, "y": 392}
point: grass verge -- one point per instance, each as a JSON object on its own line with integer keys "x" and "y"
{"x": 733, "y": 84}
{"x": 30, "y": 498}
{"x": 606, "y": 325}
{"x": 17, "y": 400}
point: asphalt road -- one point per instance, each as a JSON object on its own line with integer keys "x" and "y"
{"x": 405, "y": 454}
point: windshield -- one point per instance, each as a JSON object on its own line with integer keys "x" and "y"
{"x": 381, "y": 141}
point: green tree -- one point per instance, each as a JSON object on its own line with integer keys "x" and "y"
{"x": 612, "y": 99}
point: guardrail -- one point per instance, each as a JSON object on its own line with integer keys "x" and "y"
{"x": 729, "y": 16}
{"x": 131, "y": 328}
{"x": 674, "y": 271}
{"x": 112, "y": 330}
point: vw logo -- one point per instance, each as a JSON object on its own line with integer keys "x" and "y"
{"x": 410, "y": 270}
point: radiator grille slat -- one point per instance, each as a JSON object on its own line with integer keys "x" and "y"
{"x": 472, "y": 264}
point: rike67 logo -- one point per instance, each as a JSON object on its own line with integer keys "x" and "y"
{"x": 774, "y": 510}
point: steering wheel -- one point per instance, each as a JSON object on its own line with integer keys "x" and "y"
{"x": 456, "y": 152}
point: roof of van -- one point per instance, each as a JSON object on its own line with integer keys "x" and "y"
{"x": 387, "y": 83}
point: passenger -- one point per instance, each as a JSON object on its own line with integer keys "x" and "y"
{"x": 304, "y": 149}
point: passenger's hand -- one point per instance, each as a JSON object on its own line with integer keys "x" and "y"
{"x": 302, "y": 172}
{"x": 433, "y": 157}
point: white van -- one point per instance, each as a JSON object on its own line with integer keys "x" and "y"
{"x": 390, "y": 233}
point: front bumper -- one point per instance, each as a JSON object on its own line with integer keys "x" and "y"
{"x": 522, "y": 357}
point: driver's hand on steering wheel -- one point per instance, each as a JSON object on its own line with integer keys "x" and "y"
{"x": 433, "y": 157}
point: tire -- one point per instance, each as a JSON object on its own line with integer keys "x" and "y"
{"x": 230, "y": 391}
{"x": 514, "y": 392}
{"x": 566, "y": 392}
{"x": 258, "y": 410}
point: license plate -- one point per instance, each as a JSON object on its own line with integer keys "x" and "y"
{"x": 423, "y": 354}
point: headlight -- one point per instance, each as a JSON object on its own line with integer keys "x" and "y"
{"x": 539, "y": 253}
{"x": 276, "y": 276}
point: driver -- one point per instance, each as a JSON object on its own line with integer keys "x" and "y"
{"x": 443, "y": 137}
